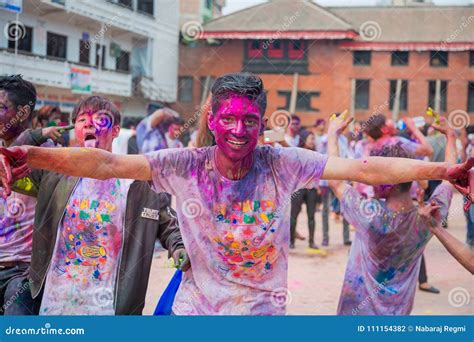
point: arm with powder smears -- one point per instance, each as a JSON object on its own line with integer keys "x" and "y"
{"x": 72, "y": 161}
{"x": 461, "y": 252}
{"x": 385, "y": 170}
{"x": 89, "y": 162}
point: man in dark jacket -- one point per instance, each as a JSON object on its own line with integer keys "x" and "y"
{"x": 93, "y": 239}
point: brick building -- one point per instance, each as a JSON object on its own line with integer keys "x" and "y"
{"x": 314, "y": 60}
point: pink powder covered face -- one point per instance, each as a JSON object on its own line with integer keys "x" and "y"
{"x": 236, "y": 126}
{"x": 95, "y": 129}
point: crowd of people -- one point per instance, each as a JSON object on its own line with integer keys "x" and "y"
{"x": 79, "y": 224}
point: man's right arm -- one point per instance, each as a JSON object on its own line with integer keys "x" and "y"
{"x": 88, "y": 162}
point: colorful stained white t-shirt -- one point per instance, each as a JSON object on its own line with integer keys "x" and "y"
{"x": 236, "y": 232}
{"x": 384, "y": 261}
{"x": 83, "y": 271}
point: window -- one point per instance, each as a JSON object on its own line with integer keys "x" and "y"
{"x": 100, "y": 55}
{"x": 254, "y": 49}
{"x": 203, "y": 83}
{"x": 361, "y": 57}
{"x": 84, "y": 51}
{"x": 400, "y": 58}
{"x": 439, "y": 58}
{"x": 303, "y": 100}
{"x": 275, "y": 49}
{"x": 122, "y": 62}
{"x": 442, "y": 94}
{"x": 22, "y": 34}
{"x": 362, "y": 94}
{"x": 185, "y": 89}
{"x": 470, "y": 96}
{"x": 296, "y": 49}
{"x": 403, "y": 94}
{"x": 471, "y": 58}
{"x": 126, "y": 3}
{"x": 56, "y": 45}
{"x": 145, "y": 6}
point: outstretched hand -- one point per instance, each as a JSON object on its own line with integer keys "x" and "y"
{"x": 443, "y": 127}
{"x": 12, "y": 166}
{"x": 458, "y": 175}
{"x": 337, "y": 124}
{"x": 431, "y": 213}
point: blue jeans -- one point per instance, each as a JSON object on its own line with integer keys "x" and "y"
{"x": 15, "y": 295}
{"x": 470, "y": 226}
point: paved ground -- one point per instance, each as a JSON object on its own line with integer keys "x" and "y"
{"x": 315, "y": 281}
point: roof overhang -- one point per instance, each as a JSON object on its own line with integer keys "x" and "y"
{"x": 348, "y": 34}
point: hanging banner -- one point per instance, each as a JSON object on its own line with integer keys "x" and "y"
{"x": 81, "y": 82}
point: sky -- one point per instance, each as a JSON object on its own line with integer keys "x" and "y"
{"x": 235, "y": 5}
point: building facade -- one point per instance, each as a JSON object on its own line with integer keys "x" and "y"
{"x": 126, "y": 50}
{"x": 199, "y": 10}
{"x": 314, "y": 61}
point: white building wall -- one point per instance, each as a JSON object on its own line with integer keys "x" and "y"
{"x": 162, "y": 32}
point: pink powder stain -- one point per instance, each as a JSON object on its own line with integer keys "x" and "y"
{"x": 236, "y": 125}
{"x": 295, "y": 285}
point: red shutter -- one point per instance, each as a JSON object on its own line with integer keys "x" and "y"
{"x": 274, "y": 51}
{"x": 252, "y": 52}
{"x": 296, "y": 49}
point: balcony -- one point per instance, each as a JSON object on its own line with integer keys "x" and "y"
{"x": 146, "y": 87}
{"x": 53, "y": 73}
{"x": 118, "y": 17}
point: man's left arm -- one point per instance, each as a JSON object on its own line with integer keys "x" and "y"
{"x": 383, "y": 170}
{"x": 378, "y": 170}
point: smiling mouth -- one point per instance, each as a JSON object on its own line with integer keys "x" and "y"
{"x": 237, "y": 142}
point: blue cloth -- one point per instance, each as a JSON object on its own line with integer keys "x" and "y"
{"x": 165, "y": 304}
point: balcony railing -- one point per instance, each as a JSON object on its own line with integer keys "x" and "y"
{"x": 45, "y": 71}
{"x": 113, "y": 14}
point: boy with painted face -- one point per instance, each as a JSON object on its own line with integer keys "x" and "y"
{"x": 385, "y": 257}
{"x": 17, "y": 212}
{"x": 232, "y": 198}
{"x": 93, "y": 239}
{"x": 17, "y": 101}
